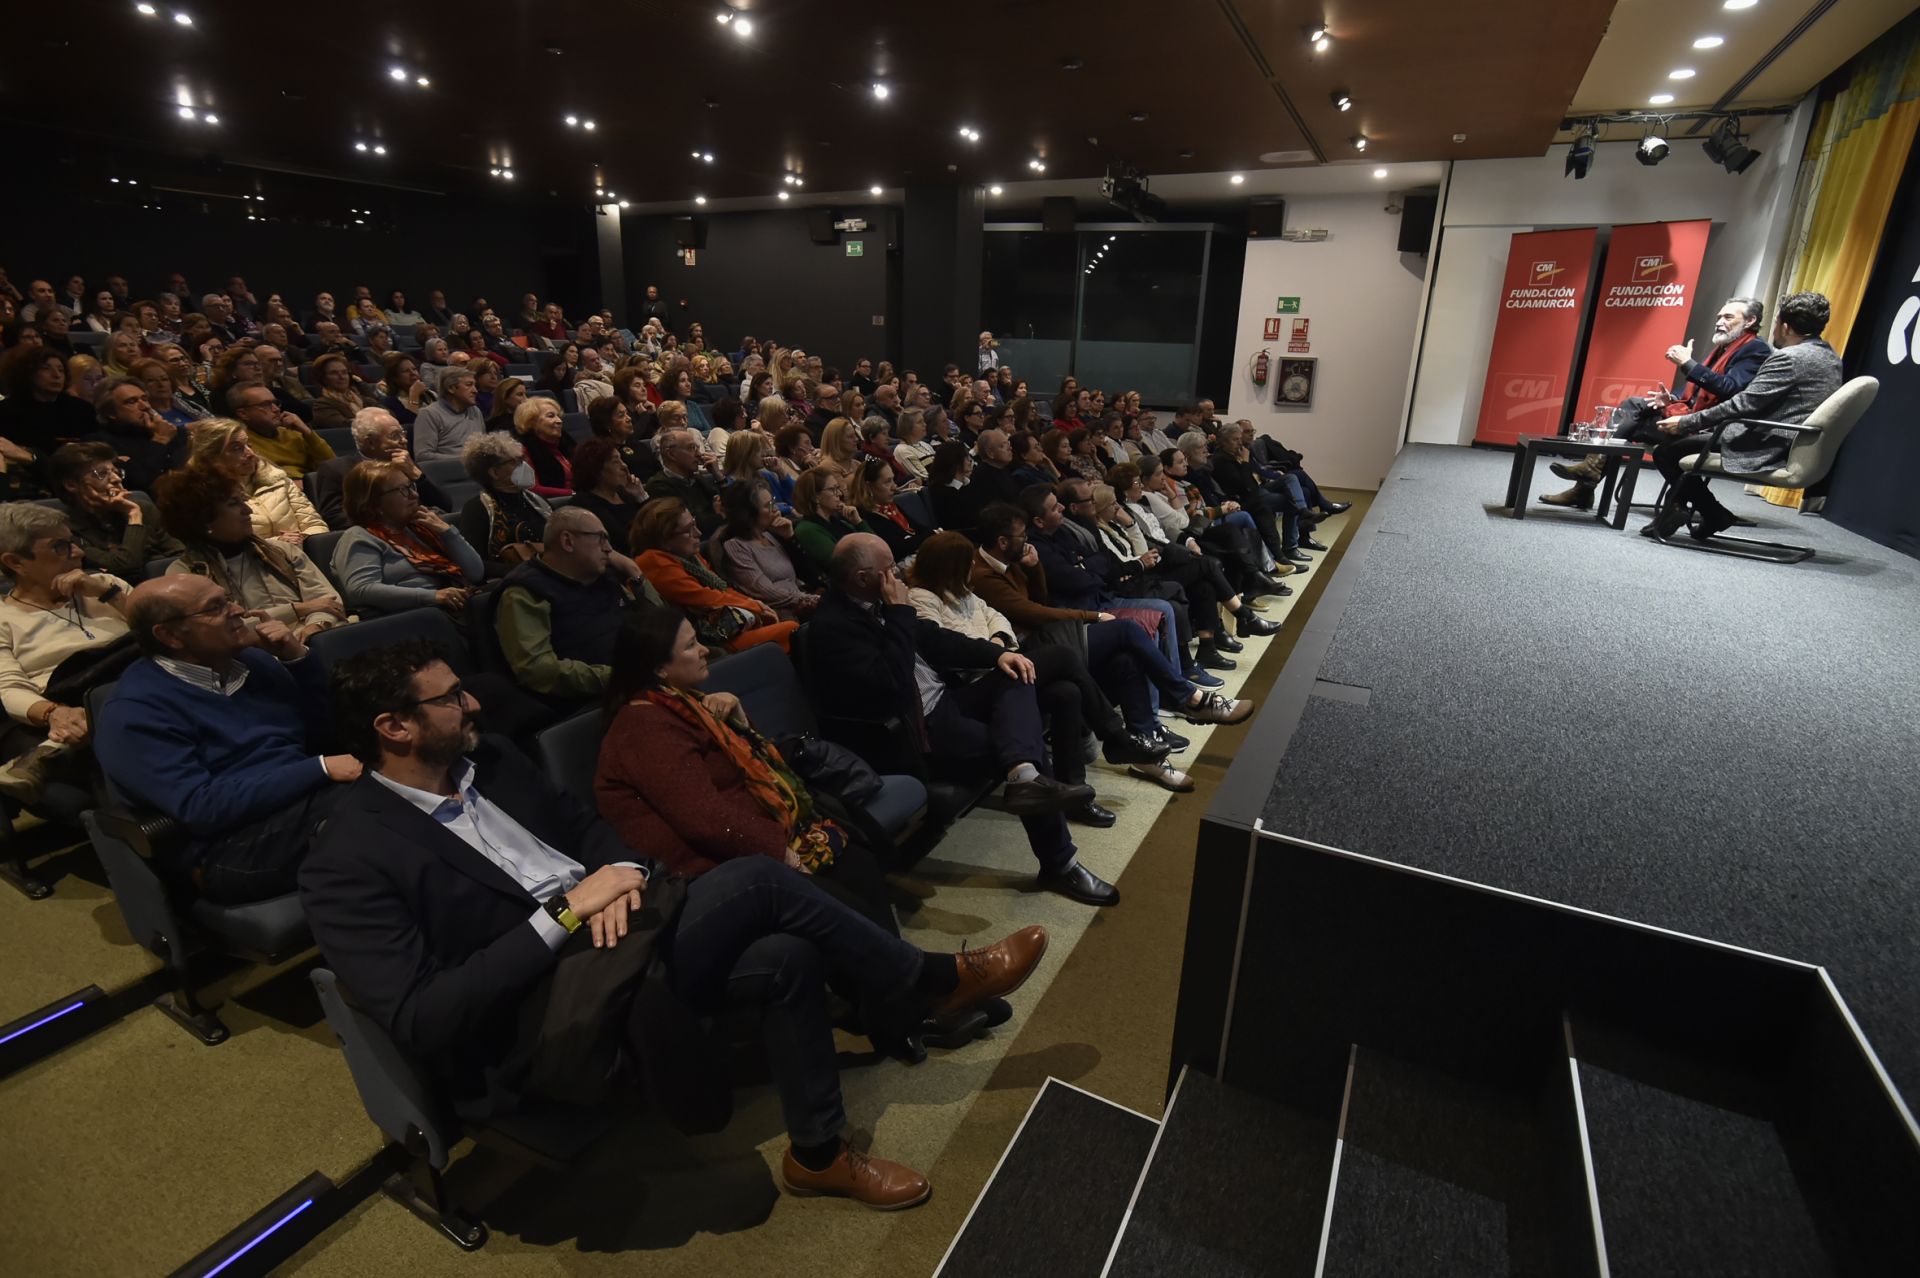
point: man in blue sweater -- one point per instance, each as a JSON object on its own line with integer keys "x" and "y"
{"x": 212, "y": 730}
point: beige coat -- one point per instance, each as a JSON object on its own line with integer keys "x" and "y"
{"x": 279, "y": 506}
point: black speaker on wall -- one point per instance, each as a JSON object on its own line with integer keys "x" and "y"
{"x": 690, "y": 232}
{"x": 1416, "y": 221}
{"x": 820, "y": 226}
{"x": 1056, "y": 213}
{"x": 1266, "y": 219}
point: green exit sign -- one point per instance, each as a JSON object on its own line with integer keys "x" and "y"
{"x": 1288, "y": 306}
{"x": 856, "y": 248}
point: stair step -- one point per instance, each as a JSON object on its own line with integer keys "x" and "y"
{"x": 1235, "y": 1185}
{"x": 1693, "y": 1190}
{"x": 1051, "y": 1207}
{"x": 1437, "y": 1177}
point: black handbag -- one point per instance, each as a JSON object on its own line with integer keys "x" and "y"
{"x": 832, "y": 768}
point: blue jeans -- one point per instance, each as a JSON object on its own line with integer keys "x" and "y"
{"x": 1134, "y": 672}
{"x": 756, "y": 933}
{"x": 1168, "y": 638}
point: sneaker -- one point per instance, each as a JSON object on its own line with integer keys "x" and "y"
{"x": 24, "y": 779}
{"x": 1163, "y": 774}
{"x": 1214, "y": 708}
{"x": 1173, "y": 741}
{"x": 1201, "y": 679}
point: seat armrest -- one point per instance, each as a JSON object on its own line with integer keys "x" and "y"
{"x": 888, "y": 745}
{"x": 151, "y": 834}
{"x": 1786, "y": 426}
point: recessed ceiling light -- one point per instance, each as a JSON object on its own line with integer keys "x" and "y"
{"x": 588, "y": 125}
{"x": 784, "y": 195}
{"x": 723, "y": 17}
{"x": 398, "y": 73}
{"x": 1379, "y": 173}
{"x": 1037, "y": 165}
{"x": 184, "y": 19}
{"x": 573, "y": 121}
{"x": 1681, "y": 73}
{"x": 1237, "y": 178}
{"x": 507, "y": 174}
{"x": 873, "y": 190}
{"x": 1660, "y": 99}
{"x": 1740, "y": 4}
{"x": 993, "y": 190}
{"x": 360, "y": 146}
{"x": 880, "y": 91}
{"x": 788, "y": 179}
{"x": 1709, "y": 42}
{"x": 114, "y": 180}
{"x": 495, "y": 172}
{"x": 706, "y": 157}
{"x": 1322, "y": 44}
{"x": 623, "y": 204}
{"x": 1110, "y": 239}
{"x": 699, "y": 199}
{"x": 186, "y": 113}
{"x": 378, "y": 149}
{"x": 799, "y": 181}
{"x": 210, "y": 118}
{"x": 743, "y": 27}
{"x": 146, "y": 10}
{"x": 422, "y": 81}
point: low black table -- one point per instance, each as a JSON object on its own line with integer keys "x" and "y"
{"x": 1623, "y": 462}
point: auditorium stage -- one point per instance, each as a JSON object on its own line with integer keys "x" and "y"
{"x": 1722, "y": 747}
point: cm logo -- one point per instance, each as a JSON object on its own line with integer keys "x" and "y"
{"x": 1528, "y": 387}
{"x": 1903, "y": 339}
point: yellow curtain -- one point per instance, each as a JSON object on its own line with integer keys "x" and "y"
{"x": 1856, "y": 153}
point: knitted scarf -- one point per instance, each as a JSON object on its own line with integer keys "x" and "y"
{"x": 422, "y": 548}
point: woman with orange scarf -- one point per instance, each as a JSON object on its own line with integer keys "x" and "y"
{"x": 666, "y": 544}
{"x": 683, "y": 775}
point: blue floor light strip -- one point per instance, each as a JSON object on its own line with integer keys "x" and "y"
{"x": 260, "y": 1237}
{"x": 74, "y": 1006}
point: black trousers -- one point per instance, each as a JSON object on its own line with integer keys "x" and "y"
{"x": 257, "y": 861}
{"x": 996, "y": 718}
{"x": 1686, "y": 488}
{"x": 1059, "y": 670}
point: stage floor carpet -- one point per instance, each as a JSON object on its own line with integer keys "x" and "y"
{"x": 1718, "y": 746}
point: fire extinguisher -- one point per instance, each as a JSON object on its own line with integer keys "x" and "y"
{"x": 1261, "y": 364}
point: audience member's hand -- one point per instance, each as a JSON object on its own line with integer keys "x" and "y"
{"x": 1194, "y": 546}
{"x": 67, "y": 724}
{"x": 1229, "y": 507}
{"x": 159, "y": 428}
{"x": 341, "y": 767}
{"x": 14, "y": 453}
{"x": 276, "y": 637}
{"x": 893, "y": 589}
{"x": 782, "y": 526}
{"x": 1015, "y": 666}
{"x": 1029, "y": 556}
{"x": 723, "y": 704}
{"x": 326, "y": 603}
{"x": 1150, "y": 560}
{"x": 429, "y": 518}
{"x": 450, "y": 596}
{"x": 292, "y": 536}
{"x": 599, "y": 890}
{"x": 1104, "y": 616}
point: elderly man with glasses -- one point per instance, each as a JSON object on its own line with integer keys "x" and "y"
{"x": 560, "y": 612}
{"x": 214, "y": 728}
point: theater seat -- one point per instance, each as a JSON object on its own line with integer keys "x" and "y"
{"x": 918, "y": 511}
{"x": 336, "y": 643}
{"x": 399, "y": 1096}
{"x": 158, "y": 567}
{"x": 338, "y": 438}
{"x": 320, "y": 547}
{"x": 444, "y": 470}
{"x": 580, "y": 426}
{"x": 525, "y": 372}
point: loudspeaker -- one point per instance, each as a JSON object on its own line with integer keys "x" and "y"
{"x": 820, "y": 226}
{"x": 1057, "y": 213}
{"x": 1266, "y": 218}
{"x": 1416, "y": 221}
{"x": 690, "y": 232}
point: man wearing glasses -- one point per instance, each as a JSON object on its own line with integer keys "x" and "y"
{"x": 213, "y": 730}
{"x": 560, "y": 611}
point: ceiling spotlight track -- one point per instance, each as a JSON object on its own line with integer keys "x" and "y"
{"x": 1230, "y": 10}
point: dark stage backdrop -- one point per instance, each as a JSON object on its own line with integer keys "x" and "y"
{"x": 761, "y": 273}
{"x": 414, "y": 242}
{"x": 1875, "y": 488}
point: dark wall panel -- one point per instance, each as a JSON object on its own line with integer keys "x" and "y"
{"x": 414, "y": 242}
{"x": 761, "y": 273}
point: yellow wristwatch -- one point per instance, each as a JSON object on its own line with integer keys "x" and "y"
{"x": 558, "y": 910}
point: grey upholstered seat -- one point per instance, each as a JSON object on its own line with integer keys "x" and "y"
{"x": 1811, "y": 456}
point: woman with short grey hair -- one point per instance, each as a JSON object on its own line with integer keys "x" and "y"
{"x": 507, "y": 521}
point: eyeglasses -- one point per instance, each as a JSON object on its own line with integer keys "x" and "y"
{"x": 102, "y": 475}
{"x": 454, "y": 696}
{"x": 602, "y": 535}
{"x": 410, "y": 488}
{"x": 218, "y": 608}
{"x": 61, "y": 547}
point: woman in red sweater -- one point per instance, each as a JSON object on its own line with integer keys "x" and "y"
{"x": 684, "y": 775}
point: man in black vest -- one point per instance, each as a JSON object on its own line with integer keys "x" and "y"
{"x": 560, "y": 612}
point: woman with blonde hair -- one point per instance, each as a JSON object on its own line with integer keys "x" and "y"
{"x": 914, "y": 452}
{"x": 870, "y": 492}
{"x": 280, "y": 509}
{"x": 745, "y": 456}
{"x": 839, "y": 446}
{"x": 820, "y": 498}
{"x": 124, "y": 349}
{"x": 541, "y": 429}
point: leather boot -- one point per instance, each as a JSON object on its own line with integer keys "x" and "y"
{"x": 1578, "y": 497}
{"x": 1591, "y": 468}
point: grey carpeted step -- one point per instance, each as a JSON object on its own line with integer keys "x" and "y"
{"x": 1051, "y": 1207}
{"x": 1438, "y": 1177}
{"x": 1236, "y": 1185}
{"x": 1691, "y": 1190}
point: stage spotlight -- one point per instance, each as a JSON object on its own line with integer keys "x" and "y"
{"x": 1728, "y": 149}
{"x": 1343, "y": 100}
{"x": 1580, "y": 156}
{"x": 1653, "y": 149}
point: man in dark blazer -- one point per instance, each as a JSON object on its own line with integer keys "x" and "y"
{"x": 993, "y": 479}
{"x": 499, "y": 931}
{"x": 970, "y": 701}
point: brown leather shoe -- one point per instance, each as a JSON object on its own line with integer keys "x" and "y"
{"x": 871, "y": 1182}
{"x": 995, "y": 971}
{"x": 1579, "y": 497}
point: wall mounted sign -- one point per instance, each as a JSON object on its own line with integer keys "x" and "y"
{"x": 1288, "y": 306}
{"x": 1295, "y": 387}
{"x": 1297, "y": 343}
{"x": 856, "y": 248}
{"x": 1270, "y": 332}
{"x": 686, "y": 256}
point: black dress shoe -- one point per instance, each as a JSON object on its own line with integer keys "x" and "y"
{"x": 1133, "y": 748}
{"x": 1082, "y": 884}
{"x": 962, "y": 1029}
{"x": 1265, "y": 585}
{"x": 1094, "y": 815}
{"x": 1210, "y": 658}
{"x": 1248, "y": 624}
{"x": 1710, "y": 523}
{"x": 1042, "y": 795}
{"x": 1335, "y": 507}
{"x": 1294, "y": 556}
{"x": 1226, "y": 642}
{"x": 997, "y": 1011}
{"x": 1308, "y": 543}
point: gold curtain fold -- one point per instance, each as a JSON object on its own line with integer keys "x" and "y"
{"x": 1856, "y": 152}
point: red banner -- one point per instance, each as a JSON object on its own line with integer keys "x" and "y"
{"x": 1646, "y": 295}
{"x": 1542, "y": 301}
